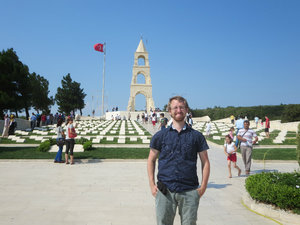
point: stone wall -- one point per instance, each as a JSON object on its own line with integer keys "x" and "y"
{"x": 21, "y": 124}
{"x": 109, "y": 115}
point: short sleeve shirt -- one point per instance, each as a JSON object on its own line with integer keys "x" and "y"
{"x": 164, "y": 121}
{"x": 67, "y": 129}
{"x": 267, "y": 123}
{"x": 229, "y": 147}
{"x": 248, "y": 135}
{"x": 177, "y": 163}
{"x": 239, "y": 124}
{"x": 59, "y": 131}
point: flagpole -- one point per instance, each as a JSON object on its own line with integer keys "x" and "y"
{"x": 104, "y": 50}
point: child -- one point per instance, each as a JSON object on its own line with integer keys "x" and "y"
{"x": 230, "y": 151}
{"x": 231, "y": 132}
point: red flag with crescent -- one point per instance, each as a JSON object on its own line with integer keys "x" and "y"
{"x": 98, "y": 47}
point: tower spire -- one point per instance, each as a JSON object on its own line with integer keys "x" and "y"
{"x": 141, "y": 47}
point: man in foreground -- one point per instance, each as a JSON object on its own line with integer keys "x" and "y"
{"x": 177, "y": 147}
{"x": 246, "y": 136}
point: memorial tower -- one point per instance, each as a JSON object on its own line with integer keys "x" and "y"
{"x": 141, "y": 67}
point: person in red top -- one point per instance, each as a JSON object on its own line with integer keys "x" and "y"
{"x": 267, "y": 127}
{"x": 43, "y": 118}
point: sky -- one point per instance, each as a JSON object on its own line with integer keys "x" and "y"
{"x": 213, "y": 53}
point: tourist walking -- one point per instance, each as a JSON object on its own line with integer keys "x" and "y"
{"x": 190, "y": 120}
{"x": 48, "y": 119}
{"x": 239, "y": 124}
{"x": 146, "y": 117}
{"x": 230, "y": 151}
{"x": 267, "y": 127}
{"x": 32, "y": 121}
{"x": 207, "y": 129}
{"x": 60, "y": 141}
{"x": 231, "y": 133}
{"x": 163, "y": 121}
{"x": 143, "y": 118}
{"x": 43, "y": 118}
{"x": 153, "y": 118}
{"x": 246, "y": 136}
{"x": 70, "y": 142}
{"x": 232, "y": 119}
{"x": 12, "y": 125}
{"x": 256, "y": 119}
{"x": 6, "y": 126}
{"x": 178, "y": 147}
{"x": 38, "y": 120}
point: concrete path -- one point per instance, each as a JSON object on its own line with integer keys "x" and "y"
{"x": 150, "y": 128}
{"x": 112, "y": 193}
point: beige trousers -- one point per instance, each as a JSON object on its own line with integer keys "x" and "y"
{"x": 246, "y": 155}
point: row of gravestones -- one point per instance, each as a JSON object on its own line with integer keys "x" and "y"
{"x": 224, "y": 129}
{"x": 84, "y": 128}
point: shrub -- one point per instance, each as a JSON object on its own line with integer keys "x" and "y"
{"x": 52, "y": 141}
{"x": 81, "y": 141}
{"x": 87, "y": 145}
{"x": 44, "y": 146}
{"x": 279, "y": 189}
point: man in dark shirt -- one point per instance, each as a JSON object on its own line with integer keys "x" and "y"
{"x": 163, "y": 121}
{"x": 177, "y": 147}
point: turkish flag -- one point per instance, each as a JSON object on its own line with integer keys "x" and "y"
{"x": 98, "y": 47}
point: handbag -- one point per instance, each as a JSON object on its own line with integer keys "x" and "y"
{"x": 72, "y": 133}
{"x": 60, "y": 142}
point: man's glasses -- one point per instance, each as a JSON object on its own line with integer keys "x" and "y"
{"x": 178, "y": 107}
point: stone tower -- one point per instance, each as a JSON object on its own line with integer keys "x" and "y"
{"x": 146, "y": 88}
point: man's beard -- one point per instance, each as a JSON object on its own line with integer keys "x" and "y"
{"x": 178, "y": 117}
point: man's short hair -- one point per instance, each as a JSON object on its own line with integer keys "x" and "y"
{"x": 246, "y": 121}
{"x": 162, "y": 114}
{"x": 180, "y": 99}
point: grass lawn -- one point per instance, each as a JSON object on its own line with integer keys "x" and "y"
{"x": 24, "y": 153}
{"x": 291, "y": 135}
{"x": 274, "y": 154}
{"x": 27, "y": 141}
{"x": 269, "y": 141}
{"x": 95, "y": 153}
{"x": 290, "y": 142}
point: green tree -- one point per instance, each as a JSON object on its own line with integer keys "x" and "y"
{"x": 165, "y": 108}
{"x": 25, "y": 89}
{"x": 40, "y": 91}
{"x": 8, "y": 87}
{"x": 291, "y": 113}
{"x": 80, "y": 95}
{"x": 15, "y": 89}
{"x": 70, "y": 96}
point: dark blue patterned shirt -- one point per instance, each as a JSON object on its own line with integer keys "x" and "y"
{"x": 177, "y": 163}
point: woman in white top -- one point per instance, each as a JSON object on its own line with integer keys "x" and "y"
{"x": 70, "y": 142}
{"x": 60, "y": 141}
{"x": 230, "y": 151}
{"x": 6, "y": 126}
{"x": 208, "y": 127}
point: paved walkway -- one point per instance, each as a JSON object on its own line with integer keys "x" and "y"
{"x": 112, "y": 193}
